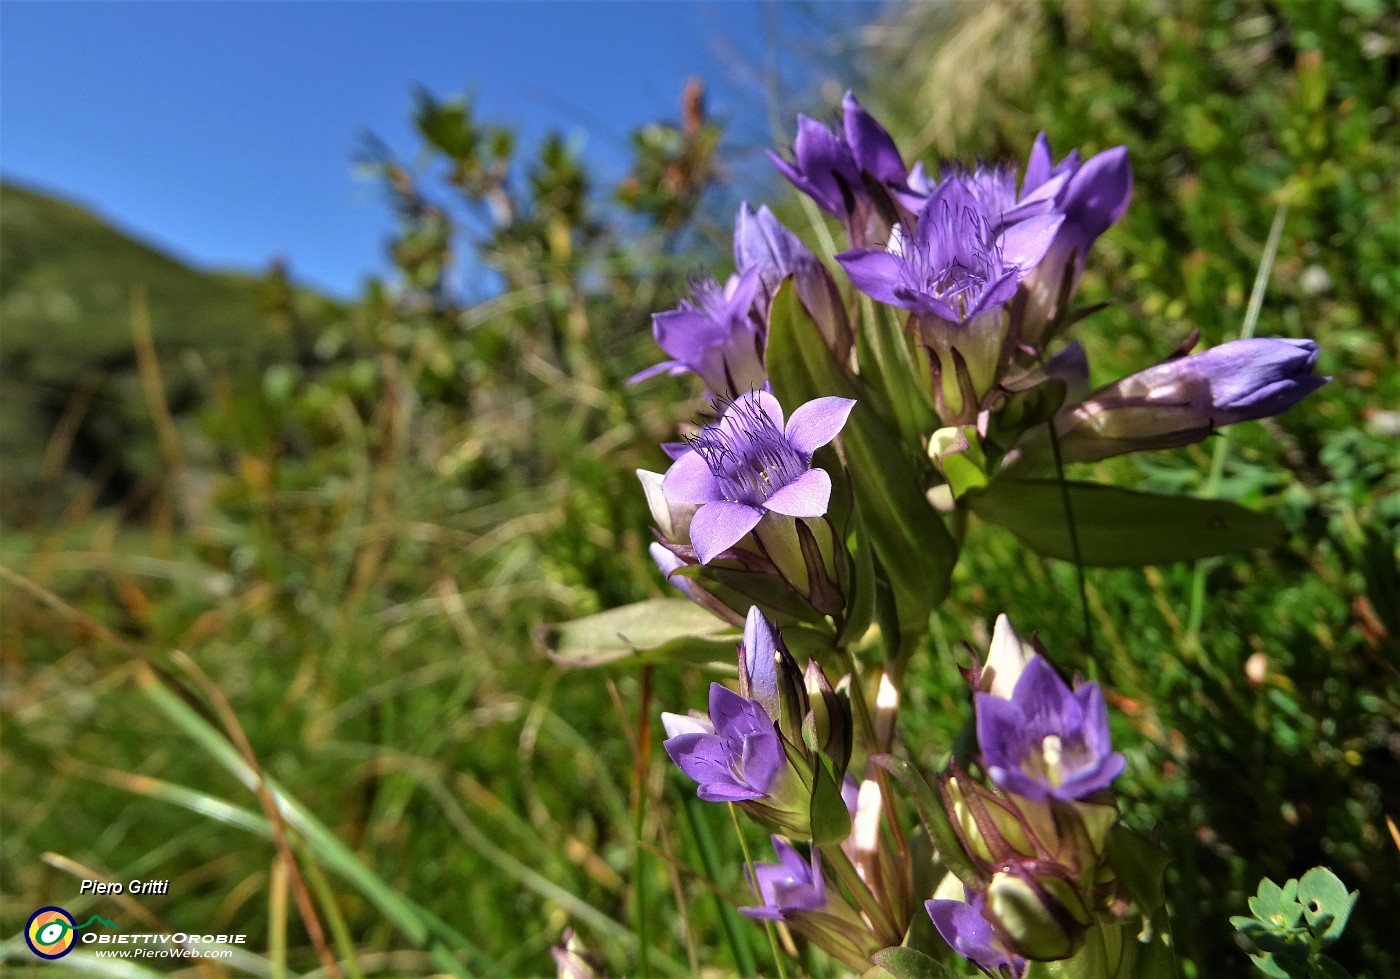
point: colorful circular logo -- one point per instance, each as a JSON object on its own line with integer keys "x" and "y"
{"x": 50, "y": 933}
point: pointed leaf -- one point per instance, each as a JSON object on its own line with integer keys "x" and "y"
{"x": 1118, "y": 527}
{"x": 658, "y": 630}
{"x": 908, "y": 963}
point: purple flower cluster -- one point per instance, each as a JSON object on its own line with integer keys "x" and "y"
{"x": 980, "y": 262}
{"x": 1046, "y": 748}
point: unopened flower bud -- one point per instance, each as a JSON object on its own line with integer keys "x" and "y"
{"x": 1043, "y": 917}
{"x": 829, "y": 718}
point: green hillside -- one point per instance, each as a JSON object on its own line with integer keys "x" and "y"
{"x": 66, "y": 285}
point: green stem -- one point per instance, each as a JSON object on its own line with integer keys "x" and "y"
{"x": 709, "y": 859}
{"x": 1074, "y": 544}
{"x": 753, "y": 882}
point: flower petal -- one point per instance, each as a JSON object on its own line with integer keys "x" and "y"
{"x": 729, "y": 712}
{"x": 817, "y": 422}
{"x": 689, "y": 480}
{"x": 1025, "y": 244}
{"x": 678, "y": 724}
{"x": 1046, "y": 701}
{"x": 1092, "y": 779}
{"x": 1000, "y": 730}
{"x": 720, "y": 525}
{"x": 874, "y": 149}
{"x": 875, "y": 272}
{"x": 701, "y": 756}
{"x": 806, "y": 496}
{"x": 685, "y": 334}
{"x": 970, "y": 935}
{"x": 727, "y": 792}
{"x": 1038, "y": 164}
{"x": 1098, "y": 194}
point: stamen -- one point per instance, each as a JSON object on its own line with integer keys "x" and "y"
{"x": 751, "y": 460}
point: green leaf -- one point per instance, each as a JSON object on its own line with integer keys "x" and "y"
{"x": 658, "y": 630}
{"x": 1118, "y": 527}
{"x": 1267, "y": 902}
{"x": 1139, "y": 865}
{"x": 908, "y": 963}
{"x": 1326, "y": 903}
{"x": 831, "y": 820}
{"x": 1326, "y": 968}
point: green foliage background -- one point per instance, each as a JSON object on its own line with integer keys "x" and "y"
{"x": 359, "y": 547}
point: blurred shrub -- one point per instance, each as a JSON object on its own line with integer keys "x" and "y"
{"x": 374, "y": 533}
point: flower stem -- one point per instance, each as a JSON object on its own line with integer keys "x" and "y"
{"x": 1074, "y": 545}
{"x": 753, "y": 883}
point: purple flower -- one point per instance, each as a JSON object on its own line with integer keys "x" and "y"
{"x": 1181, "y": 401}
{"x": 1091, "y": 196}
{"x": 791, "y": 884}
{"x": 954, "y": 266}
{"x": 714, "y": 335}
{"x": 832, "y": 167}
{"x": 735, "y": 755}
{"x": 748, "y": 464}
{"x": 1047, "y": 742}
{"x": 995, "y": 189}
{"x": 971, "y": 935}
{"x": 762, "y": 242}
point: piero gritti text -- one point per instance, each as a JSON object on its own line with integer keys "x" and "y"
{"x": 130, "y": 887}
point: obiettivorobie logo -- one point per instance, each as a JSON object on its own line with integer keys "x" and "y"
{"x": 50, "y": 932}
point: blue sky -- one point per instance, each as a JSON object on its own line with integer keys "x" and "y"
{"x": 223, "y": 132}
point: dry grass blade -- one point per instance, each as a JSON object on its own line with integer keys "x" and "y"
{"x": 234, "y": 731}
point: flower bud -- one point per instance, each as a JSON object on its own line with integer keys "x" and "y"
{"x": 1007, "y": 656}
{"x": 762, "y": 242}
{"x": 1042, "y": 916}
{"x": 829, "y": 720}
{"x": 1179, "y": 402}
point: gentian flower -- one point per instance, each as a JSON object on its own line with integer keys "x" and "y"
{"x": 964, "y": 926}
{"x": 1181, "y": 401}
{"x": 792, "y": 884}
{"x": 735, "y": 754}
{"x": 1046, "y": 741}
{"x": 1092, "y": 196}
{"x": 994, "y": 186}
{"x": 830, "y": 167}
{"x": 762, "y": 242}
{"x": 715, "y": 335}
{"x": 749, "y": 464}
{"x": 954, "y": 266}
